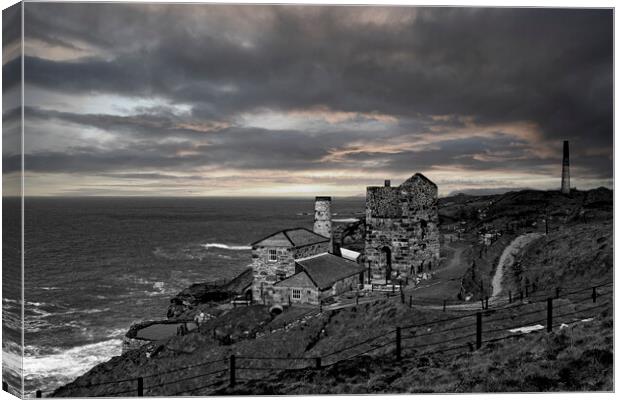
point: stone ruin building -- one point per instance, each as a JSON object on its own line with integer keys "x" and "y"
{"x": 402, "y": 230}
{"x": 299, "y": 265}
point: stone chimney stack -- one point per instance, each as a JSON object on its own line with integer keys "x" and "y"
{"x": 566, "y": 170}
{"x": 323, "y": 217}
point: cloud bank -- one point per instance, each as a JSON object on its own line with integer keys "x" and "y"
{"x": 289, "y": 100}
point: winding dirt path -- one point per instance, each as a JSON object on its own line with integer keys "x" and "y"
{"x": 453, "y": 269}
{"x": 507, "y": 259}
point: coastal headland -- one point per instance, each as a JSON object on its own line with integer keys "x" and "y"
{"x": 468, "y": 327}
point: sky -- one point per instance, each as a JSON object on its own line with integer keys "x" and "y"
{"x": 246, "y": 100}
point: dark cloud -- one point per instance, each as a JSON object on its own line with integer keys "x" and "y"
{"x": 551, "y": 67}
{"x": 11, "y": 25}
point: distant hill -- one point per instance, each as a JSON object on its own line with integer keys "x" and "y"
{"x": 526, "y": 207}
{"x": 485, "y": 191}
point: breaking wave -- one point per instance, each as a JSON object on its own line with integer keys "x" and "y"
{"x": 226, "y": 246}
{"x": 345, "y": 219}
{"x": 59, "y": 366}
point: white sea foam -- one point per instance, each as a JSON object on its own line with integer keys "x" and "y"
{"x": 65, "y": 365}
{"x": 345, "y": 220}
{"x": 95, "y": 310}
{"x": 39, "y": 312}
{"x": 226, "y": 246}
{"x": 19, "y": 301}
{"x": 12, "y": 362}
{"x": 114, "y": 333}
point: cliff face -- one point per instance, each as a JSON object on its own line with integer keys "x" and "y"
{"x": 208, "y": 293}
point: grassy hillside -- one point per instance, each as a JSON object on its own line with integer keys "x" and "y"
{"x": 577, "y": 358}
{"x": 577, "y": 255}
{"x": 372, "y": 327}
{"x": 526, "y": 208}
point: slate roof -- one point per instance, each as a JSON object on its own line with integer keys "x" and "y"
{"x": 297, "y": 237}
{"x": 326, "y": 269}
{"x": 300, "y": 279}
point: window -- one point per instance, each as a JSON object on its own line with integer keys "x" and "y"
{"x": 273, "y": 255}
{"x": 296, "y": 294}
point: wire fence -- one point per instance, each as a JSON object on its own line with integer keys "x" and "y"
{"x": 469, "y": 331}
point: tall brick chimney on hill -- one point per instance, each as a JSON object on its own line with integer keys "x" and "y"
{"x": 323, "y": 217}
{"x": 566, "y": 170}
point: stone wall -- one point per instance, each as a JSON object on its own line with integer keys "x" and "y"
{"x": 308, "y": 295}
{"x": 345, "y": 285}
{"x": 266, "y": 272}
{"x": 402, "y": 223}
{"x": 383, "y": 201}
{"x": 310, "y": 250}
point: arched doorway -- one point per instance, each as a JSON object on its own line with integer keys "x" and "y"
{"x": 386, "y": 262}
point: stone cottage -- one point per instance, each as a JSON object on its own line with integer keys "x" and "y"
{"x": 297, "y": 265}
{"x": 402, "y": 233}
{"x": 319, "y": 277}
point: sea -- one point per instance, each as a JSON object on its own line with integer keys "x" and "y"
{"x": 94, "y": 266}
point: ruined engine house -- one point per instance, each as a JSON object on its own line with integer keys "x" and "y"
{"x": 402, "y": 233}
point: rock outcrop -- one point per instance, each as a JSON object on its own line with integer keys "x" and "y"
{"x": 208, "y": 293}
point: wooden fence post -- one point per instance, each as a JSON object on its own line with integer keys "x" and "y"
{"x": 140, "y": 386}
{"x": 594, "y": 294}
{"x": 231, "y": 370}
{"x": 478, "y": 330}
{"x": 398, "y": 348}
{"x": 317, "y": 363}
{"x": 549, "y": 314}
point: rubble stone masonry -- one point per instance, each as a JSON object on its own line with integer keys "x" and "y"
{"x": 402, "y": 233}
{"x": 267, "y": 272}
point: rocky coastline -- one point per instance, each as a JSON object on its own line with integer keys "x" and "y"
{"x": 211, "y": 298}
